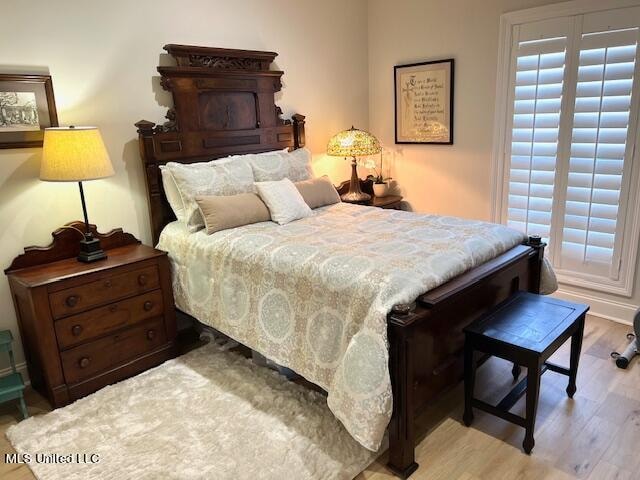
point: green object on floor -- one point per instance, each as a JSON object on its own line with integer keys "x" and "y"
{"x": 11, "y": 386}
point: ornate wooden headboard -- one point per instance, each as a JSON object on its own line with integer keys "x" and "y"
{"x": 223, "y": 105}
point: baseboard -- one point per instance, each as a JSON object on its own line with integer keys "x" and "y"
{"x": 22, "y": 368}
{"x": 608, "y": 309}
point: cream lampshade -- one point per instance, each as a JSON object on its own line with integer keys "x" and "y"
{"x": 353, "y": 143}
{"x": 76, "y": 154}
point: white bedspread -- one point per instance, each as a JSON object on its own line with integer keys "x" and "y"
{"x": 314, "y": 295}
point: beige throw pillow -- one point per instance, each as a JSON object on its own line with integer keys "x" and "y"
{"x": 223, "y": 212}
{"x": 318, "y": 192}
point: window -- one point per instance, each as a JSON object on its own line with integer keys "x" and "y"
{"x": 569, "y": 127}
{"x": 534, "y": 144}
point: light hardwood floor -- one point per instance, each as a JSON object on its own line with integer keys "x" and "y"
{"x": 595, "y": 436}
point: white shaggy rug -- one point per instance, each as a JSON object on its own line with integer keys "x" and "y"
{"x": 210, "y": 414}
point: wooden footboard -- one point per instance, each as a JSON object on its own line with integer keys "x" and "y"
{"x": 426, "y": 339}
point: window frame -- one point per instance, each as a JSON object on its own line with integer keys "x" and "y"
{"x": 509, "y": 23}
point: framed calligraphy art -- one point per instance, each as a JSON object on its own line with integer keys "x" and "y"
{"x": 424, "y": 102}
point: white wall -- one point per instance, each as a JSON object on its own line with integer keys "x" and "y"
{"x": 444, "y": 179}
{"x": 452, "y": 180}
{"x": 103, "y": 58}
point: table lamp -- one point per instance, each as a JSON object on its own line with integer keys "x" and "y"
{"x": 77, "y": 154}
{"x": 353, "y": 143}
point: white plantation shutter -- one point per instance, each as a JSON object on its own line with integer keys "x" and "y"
{"x": 598, "y": 149}
{"x": 536, "y": 118}
{"x": 572, "y": 124}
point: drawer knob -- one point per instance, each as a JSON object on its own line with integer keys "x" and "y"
{"x": 71, "y": 301}
{"x": 148, "y": 305}
{"x": 84, "y": 362}
{"x": 108, "y": 284}
{"x": 142, "y": 280}
{"x": 76, "y": 330}
{"x": 151, "y": 334}
{"x": 113, "y": 308}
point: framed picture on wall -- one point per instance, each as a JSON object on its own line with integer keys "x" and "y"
{"x": 424, "y": 102}
{"x": 27, "y": 107}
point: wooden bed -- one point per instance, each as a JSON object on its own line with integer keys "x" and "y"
{"x": 224, "y": 104}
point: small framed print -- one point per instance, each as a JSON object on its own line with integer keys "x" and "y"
{"x": 27, "y": 107}
{"x": 424, "y": 102}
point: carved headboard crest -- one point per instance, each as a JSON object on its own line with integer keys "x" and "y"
{"x": 220, "y": 58}
{"x": 223, "y": 104}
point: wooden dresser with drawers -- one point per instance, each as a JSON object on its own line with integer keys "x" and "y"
{"x": 84, "y": 326}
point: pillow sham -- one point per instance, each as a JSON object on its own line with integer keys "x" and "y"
{"x": 222, "y": 213}
{"x": 270, "y": 167}
{"x": 228, "y": 178}
{"x": 247, "y": 156}
{"x": 299, "y": 164}
{"x": 283, "y": 200}
{"x": 171, "y": 190}
{"x": 172, "y": 193}
{"x": 318, "y": 192}
{"x": 270, "y": 152}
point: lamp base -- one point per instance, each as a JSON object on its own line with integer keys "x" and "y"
{"x": 355, "y": 194}
{"x": 355, "y": 197}
{"x": 90, "y": 250}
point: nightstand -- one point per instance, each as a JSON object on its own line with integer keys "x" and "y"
{"x": 87, "y": 325}
{"x": 393, "y": 202}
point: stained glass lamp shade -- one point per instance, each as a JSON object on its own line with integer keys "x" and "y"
{"x": 353, "y": 143}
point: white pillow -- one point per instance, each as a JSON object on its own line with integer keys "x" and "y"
{"x": 268, "y": 167}
{"x": 282, "y": 150}
{"x": 225, "y": 178}
{"x": 247, "y": 156}
{"x": 299, "y": 164}
{"x": 171, "y": 189}
{"x": 283, "y": 200}
{"x": 172, "y": 193}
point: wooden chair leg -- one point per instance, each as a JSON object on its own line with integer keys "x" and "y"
{"x": 576, "y": 347}
{"x": 469, "y": 383}
{"x": 533, "y": 392}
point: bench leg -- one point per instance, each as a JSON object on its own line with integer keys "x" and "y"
{"x": 516, "y": 371}
{"x": 576, "y": 346}
{"x": 533, "y": 391}
{"x": 469, "y": 383}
